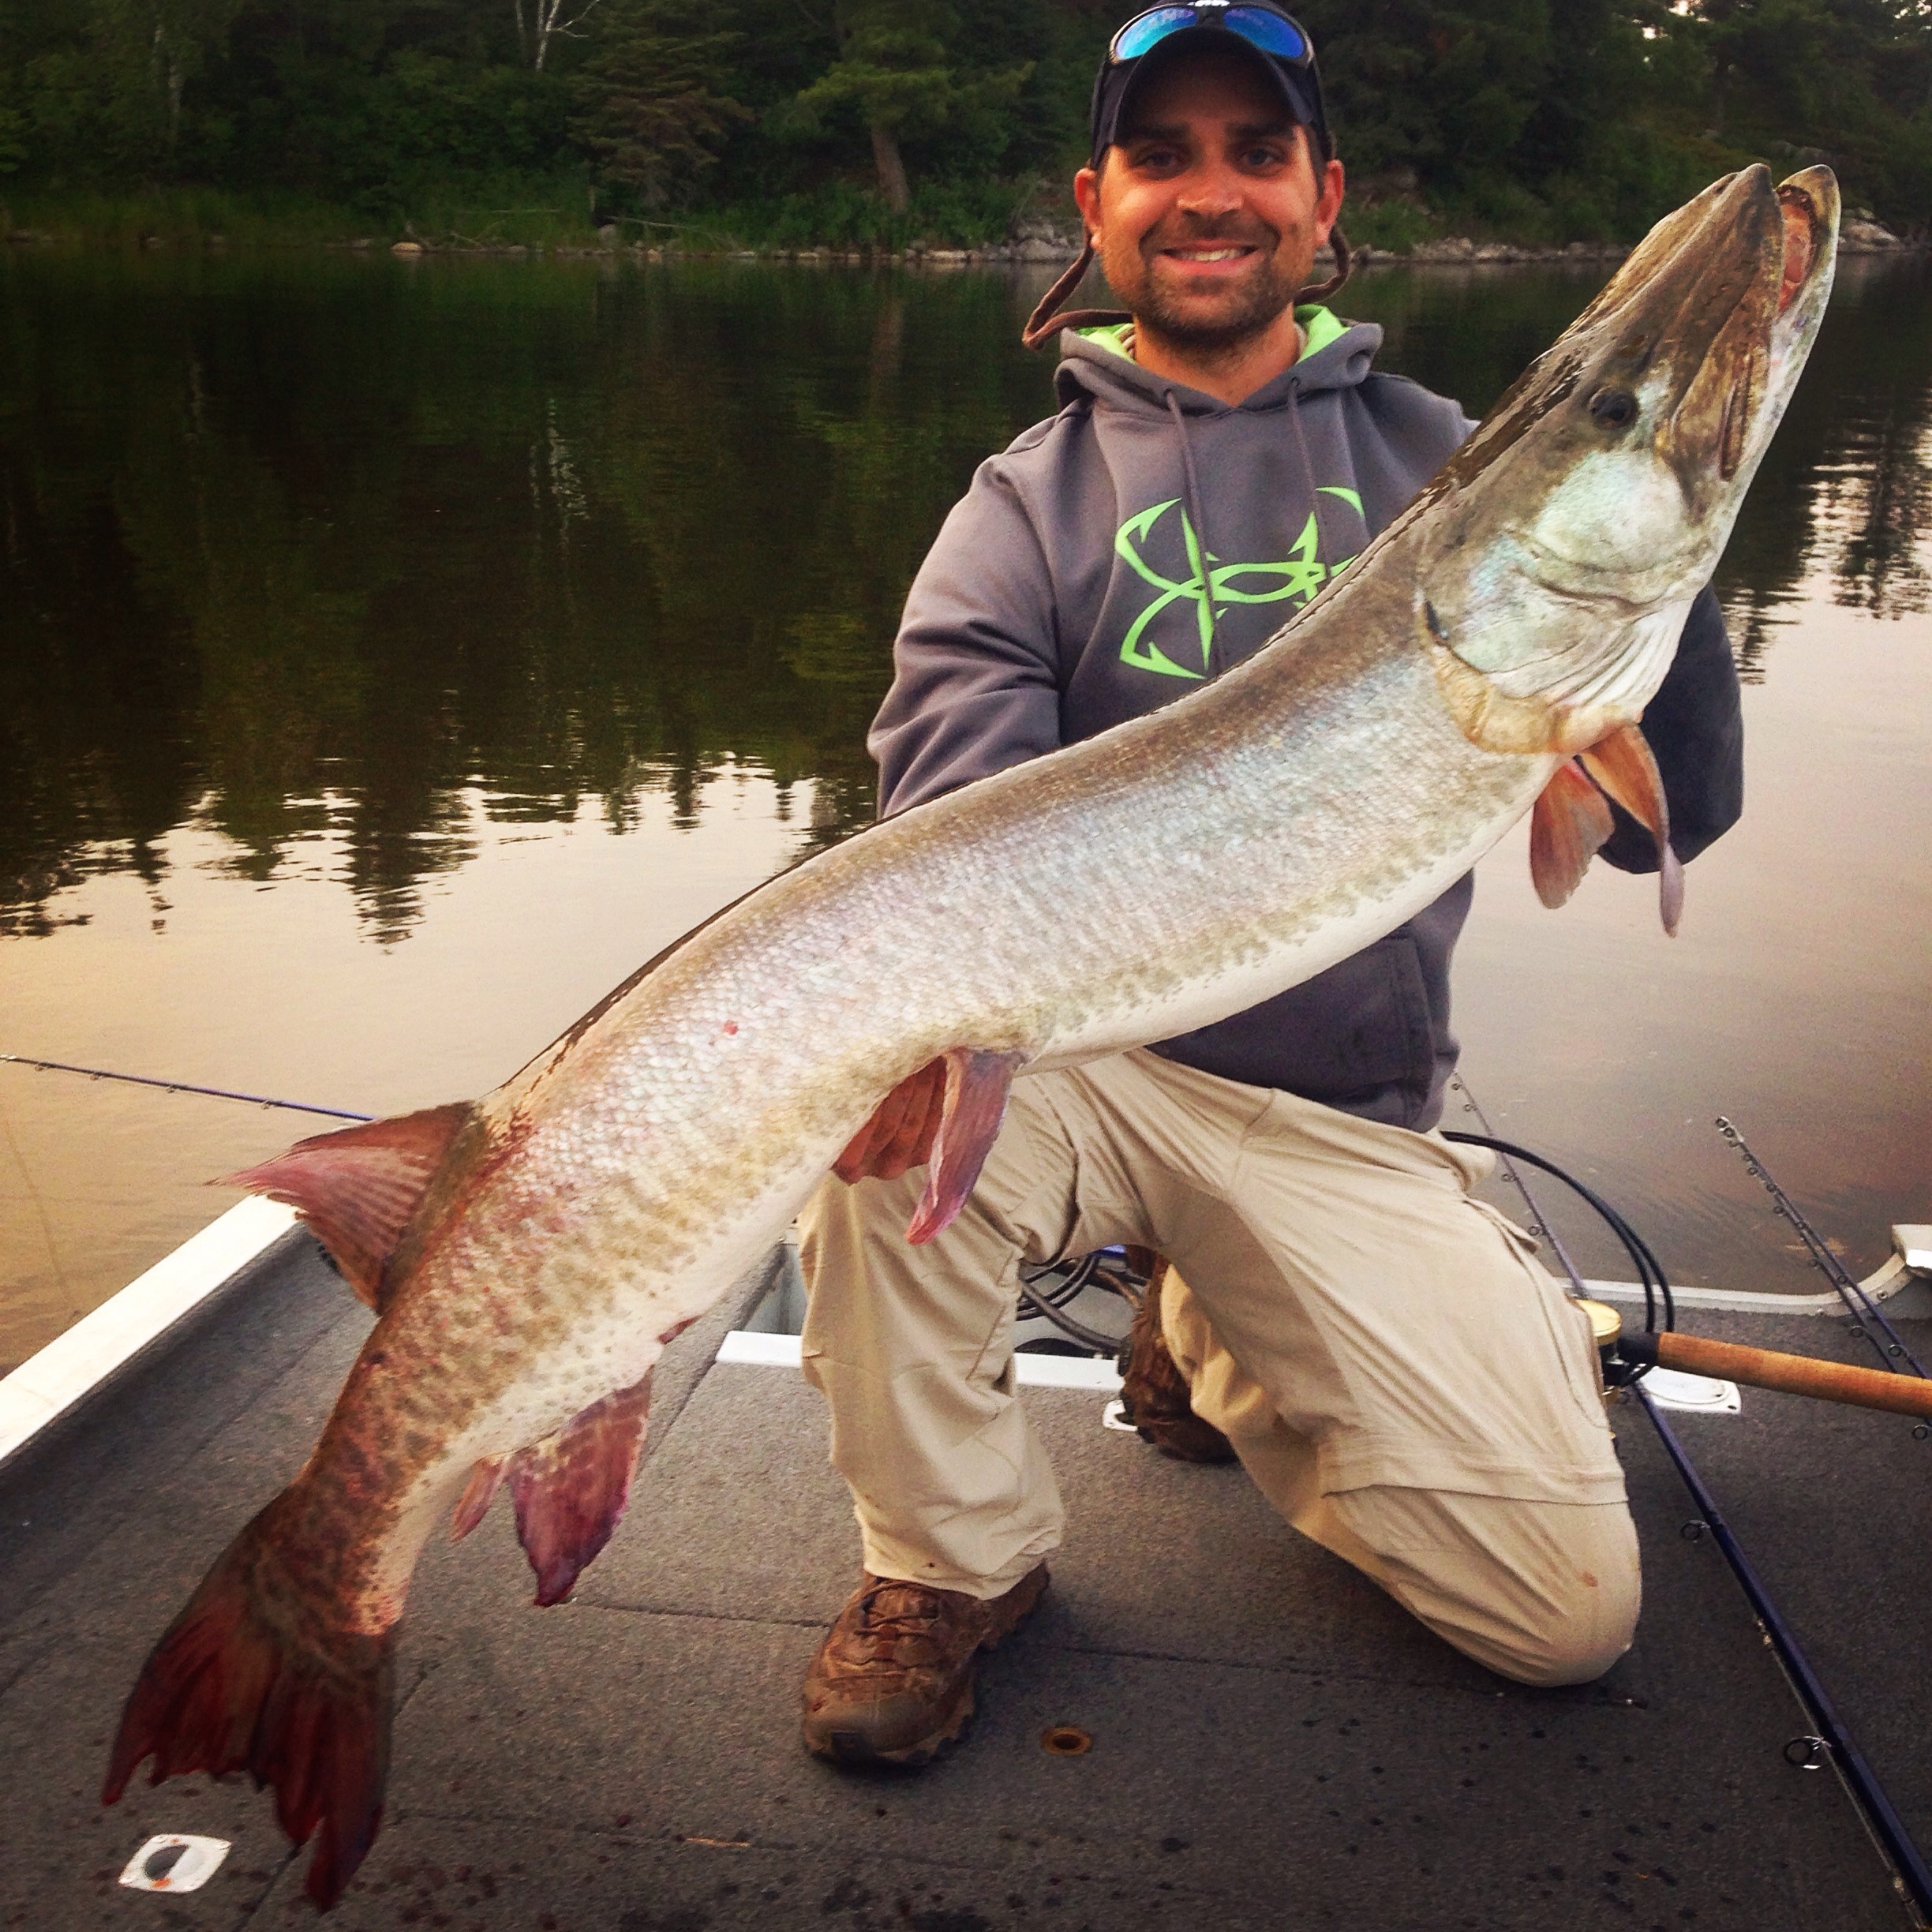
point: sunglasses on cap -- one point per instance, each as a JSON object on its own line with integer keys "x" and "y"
{"x": 1262, "y": 27}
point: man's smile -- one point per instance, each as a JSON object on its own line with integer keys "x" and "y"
{"x": 1210, "y": 260}
{"x": 1229, "y": 252}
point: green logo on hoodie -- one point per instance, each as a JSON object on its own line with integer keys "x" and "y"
{"x": 1211, "y": 585}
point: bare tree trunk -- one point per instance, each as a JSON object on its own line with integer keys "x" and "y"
{"x": 1718, "y": 94}
{"x": 168, "y": 81}
{"x": 891, "y": 169}
{"x": 547, "y": 19}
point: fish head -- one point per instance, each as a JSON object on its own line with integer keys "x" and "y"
{"x": 1575, "y": 527}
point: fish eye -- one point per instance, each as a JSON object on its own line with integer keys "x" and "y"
{"x": 1613, "y": 409}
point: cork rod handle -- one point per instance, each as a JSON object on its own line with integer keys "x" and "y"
{"x": 1797, "y": 1375}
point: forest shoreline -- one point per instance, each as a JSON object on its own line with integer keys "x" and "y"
{"x": 1446, "y": 252}
{"x": 130, "y": 225}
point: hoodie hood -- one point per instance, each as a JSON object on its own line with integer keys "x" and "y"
{"x": 1336, "y": 355}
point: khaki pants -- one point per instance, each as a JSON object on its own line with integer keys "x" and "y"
{"x": 1403, "y": 1381}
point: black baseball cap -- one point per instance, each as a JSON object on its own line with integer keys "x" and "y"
{"x": 1277, "y": 43}
{"x": 1281, "y": 50}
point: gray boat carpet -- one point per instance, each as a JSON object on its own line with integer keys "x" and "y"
{"x": 1274, "y": 1745}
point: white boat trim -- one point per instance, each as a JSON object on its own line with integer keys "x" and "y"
{"x": 1906, "y": 1270}
{"x": 60, "y": 1376}
{"x": 747, "y": 1349}
{"x": 56, "y": 1380}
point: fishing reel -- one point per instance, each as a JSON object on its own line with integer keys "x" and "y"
{"x": 1621, "y": 1359}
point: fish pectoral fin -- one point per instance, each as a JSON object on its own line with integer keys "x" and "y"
{"x": 976, "y": 1087}
{"x": 360, "y": 1188}
{"x": 1622, "y": 765}
{"x": 569, "y": 1489}
{"x": 1571, "y": 821}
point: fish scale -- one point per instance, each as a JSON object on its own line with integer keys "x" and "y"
{"x": 530, "y": 1254}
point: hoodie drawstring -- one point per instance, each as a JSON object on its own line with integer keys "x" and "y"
{"x": 1301, "y": 448}
{"x": 1190, "y": 485}
{"x": 1192, "y": 496}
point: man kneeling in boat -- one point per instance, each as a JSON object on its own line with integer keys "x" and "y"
{"x": 1393, "y": 1367}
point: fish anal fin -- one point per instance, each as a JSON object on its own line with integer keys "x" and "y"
{"x": 1622, "y": 765}
{"x": 359, "y": 1188}
{"x": 1569, "y": 823}
{"x": 569, "y": 1489}
{"x": 977, "y": 1085}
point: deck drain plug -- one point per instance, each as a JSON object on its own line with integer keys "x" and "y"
{"x": 1065, "y": 1740}
{"x": 175, "y": 1862}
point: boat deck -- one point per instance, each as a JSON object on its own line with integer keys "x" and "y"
{"x": 1275, "y": 1745}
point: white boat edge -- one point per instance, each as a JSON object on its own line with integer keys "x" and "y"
{"x": 56, "y": 1379}
{"x": 746, "y": 1348}
{"x": 102, "y": 1345}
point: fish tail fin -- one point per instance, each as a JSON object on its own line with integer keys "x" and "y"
{"x": 250, "y": 1678}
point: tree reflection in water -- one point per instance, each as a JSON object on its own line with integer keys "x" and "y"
{"x": 340, "y": 545}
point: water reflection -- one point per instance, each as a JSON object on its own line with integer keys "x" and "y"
{"x": 1846, "y": 490}
{"x": 316, "y": 547}
{"x": 304, "y": 548}
{"x": 531, "y": 611}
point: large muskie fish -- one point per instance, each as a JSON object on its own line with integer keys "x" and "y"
{"x": 531, "y": 1253}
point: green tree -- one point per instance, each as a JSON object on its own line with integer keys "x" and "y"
{"x": 655, "y": 100}
{"x": 900, "y": 71}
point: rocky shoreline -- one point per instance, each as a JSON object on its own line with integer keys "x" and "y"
{"x": 1860, "y": 235}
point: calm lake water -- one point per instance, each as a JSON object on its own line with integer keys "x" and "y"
{"x": 393, "y": 656}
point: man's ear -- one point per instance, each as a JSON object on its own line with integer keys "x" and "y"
{"x": 1086, "y": 196}
{"x": 1328, "y": 209}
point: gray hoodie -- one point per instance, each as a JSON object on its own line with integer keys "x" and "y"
{"x": 1149, "y": 536}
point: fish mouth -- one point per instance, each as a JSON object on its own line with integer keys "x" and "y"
{"x": 1811, "y": 208}
{"x": 1592, "y": 505}
{"x": 1711, "y": 315}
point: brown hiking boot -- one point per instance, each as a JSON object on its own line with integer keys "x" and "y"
{"x": 893, "y": 1682}
{"x": 1154, "y": 1393}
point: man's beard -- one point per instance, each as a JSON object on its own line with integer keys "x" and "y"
{"x": 1248, "y": 309}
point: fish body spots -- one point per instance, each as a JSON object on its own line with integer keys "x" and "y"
{"x": 729, "y": 1027}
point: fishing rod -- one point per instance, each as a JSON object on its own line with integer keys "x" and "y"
{"x": 1634, "y": 1355}
{"x": 1833, "y": 1743}
{"x": 172, "y": 1086}
{"x": 1760, "y": 1367}
{"x": 1627, "y": 1359}
{"x": 1866, "y": 1313}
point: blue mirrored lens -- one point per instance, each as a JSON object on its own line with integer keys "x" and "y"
{"x": 1138, "y": 36}
{"x": 1267, "y": 31}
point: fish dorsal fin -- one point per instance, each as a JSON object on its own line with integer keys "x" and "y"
{"x": 569, "y": 1489}
{"x": 976, "y": 1087}
{"x": 1570, "y": 823}
{"x": 1622, "y": 765}
{"x": 358, "y": 1189}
